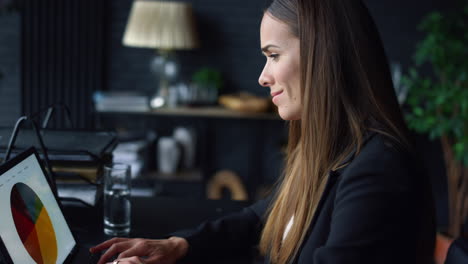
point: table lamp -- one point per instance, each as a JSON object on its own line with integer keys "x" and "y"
{"x": 165, "y": 26}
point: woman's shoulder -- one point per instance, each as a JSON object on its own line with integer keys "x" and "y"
{"x": 381, "y": 160}
{"x": 380, "y": 150}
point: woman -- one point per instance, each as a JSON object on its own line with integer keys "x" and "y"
{"x": 351, "y": 192}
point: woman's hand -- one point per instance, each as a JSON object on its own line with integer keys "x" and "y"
{"x": 147, "y": 251}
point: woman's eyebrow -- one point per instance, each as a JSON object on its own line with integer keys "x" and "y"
{"x": 267, "y": 47}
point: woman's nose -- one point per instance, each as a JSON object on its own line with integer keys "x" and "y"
{"x": 265, "y": 79}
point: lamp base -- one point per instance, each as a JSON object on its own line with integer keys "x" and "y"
{"x": 166, "y": 69}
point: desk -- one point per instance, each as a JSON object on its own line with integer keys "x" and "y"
{"x": 152, "y": 217}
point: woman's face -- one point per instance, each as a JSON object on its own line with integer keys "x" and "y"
{"x": 281, "y": 72}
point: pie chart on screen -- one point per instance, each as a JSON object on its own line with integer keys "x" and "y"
{"x": 33, "y": 224}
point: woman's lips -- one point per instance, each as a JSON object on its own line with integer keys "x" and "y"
{"x": 276, "y": 93}
{"x": 275, "y": 96}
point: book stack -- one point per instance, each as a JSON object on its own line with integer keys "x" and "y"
{"x": 120, "y": 101}
{"x": 132, "y": 153}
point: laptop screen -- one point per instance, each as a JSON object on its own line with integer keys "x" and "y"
{"x": 32, "y": 226}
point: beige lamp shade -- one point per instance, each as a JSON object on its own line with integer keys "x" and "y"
{"x": 161, "y": 25}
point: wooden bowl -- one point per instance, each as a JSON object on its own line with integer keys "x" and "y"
{"x": 245, "y": 102}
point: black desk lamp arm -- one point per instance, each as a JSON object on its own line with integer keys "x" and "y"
{"x": 12, "y": 141}
{"x": 50, "y": 111}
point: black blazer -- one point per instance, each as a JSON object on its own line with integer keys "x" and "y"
{"x": 377, "y": 209}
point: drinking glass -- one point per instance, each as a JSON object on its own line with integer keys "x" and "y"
{"x": 117, "y": 207}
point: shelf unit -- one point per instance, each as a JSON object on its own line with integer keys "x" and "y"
{"x": 194, "y": 175}
{"x": 209, "y": 112}
{"x": 206, "y": 121}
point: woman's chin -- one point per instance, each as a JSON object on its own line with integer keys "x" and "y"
{"x": 288, "y": 115}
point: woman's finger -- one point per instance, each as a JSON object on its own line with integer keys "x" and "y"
{"x": 107, "y": 244}
{"x": 131, "y": 260}
{"x": 139, "y": 248}
{"x": 115, "y": 249}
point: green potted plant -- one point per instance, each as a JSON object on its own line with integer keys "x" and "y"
{"x": 438, "y": 101}
{"x": 206, "y": 83}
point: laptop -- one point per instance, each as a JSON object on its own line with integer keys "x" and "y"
{"x": 33, "y": 228}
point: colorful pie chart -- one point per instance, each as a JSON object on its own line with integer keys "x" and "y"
{"x": 33, "y": 224}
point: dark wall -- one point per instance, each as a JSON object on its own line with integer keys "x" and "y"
{"x": 229, "y": 35}
{"x": 10, "y": 58}
{"x": 397, "y": 21}
{"x": 63, "y": 57}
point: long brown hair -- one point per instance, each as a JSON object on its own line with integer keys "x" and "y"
{"x": 346, "y": 91}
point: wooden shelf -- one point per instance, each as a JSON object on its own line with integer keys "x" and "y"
{"x": 210, "y": 112}
{"x": 182, "y": 176}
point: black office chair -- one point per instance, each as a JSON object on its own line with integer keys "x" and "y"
{"x": 458, "y": 252}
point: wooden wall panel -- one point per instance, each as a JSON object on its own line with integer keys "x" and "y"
{"x": 63, "y": 58}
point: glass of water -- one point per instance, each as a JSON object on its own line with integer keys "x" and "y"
{"x": 117, "y": 183}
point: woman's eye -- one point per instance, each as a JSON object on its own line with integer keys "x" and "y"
{"x": 274, "y": 56}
